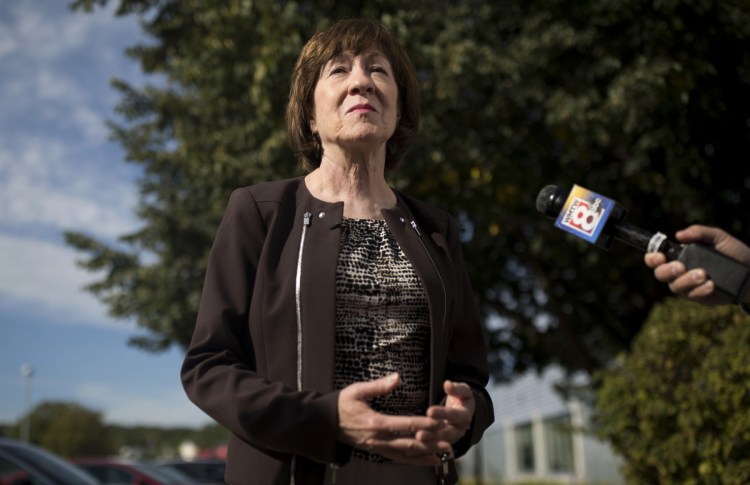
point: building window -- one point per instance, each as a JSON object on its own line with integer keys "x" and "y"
{"x": 525, "y": 448}
{"x": 558, "y": 439}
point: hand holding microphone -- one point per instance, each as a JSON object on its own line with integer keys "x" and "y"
{"x": 695, "y": 283}
{"x": 709, "y": 266}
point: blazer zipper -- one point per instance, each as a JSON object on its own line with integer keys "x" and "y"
{"x": 440, "y": 277}
{"x": 443, "y": 469}
{"x": 298, "y": 295}
{"x": 306, "y": 220}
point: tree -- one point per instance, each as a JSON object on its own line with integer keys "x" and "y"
{"x": 211, "y": 436}
{"x": 69, "y": 430}
{"x": 677, "y": 407}
{"x": 635, "y": 100}
{"x": 151, "y": 442}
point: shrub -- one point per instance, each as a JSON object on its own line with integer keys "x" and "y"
{"x": 677, "y": 407}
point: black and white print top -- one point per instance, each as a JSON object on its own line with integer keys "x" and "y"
{"x": 382, "y": 319}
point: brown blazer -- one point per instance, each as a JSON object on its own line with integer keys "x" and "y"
{"x": 262, "y": 355}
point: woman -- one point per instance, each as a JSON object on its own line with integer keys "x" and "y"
{"x": 337, "y": 337}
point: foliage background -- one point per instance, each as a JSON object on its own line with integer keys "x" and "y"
{"x": 72, "y": 431}
{"x": 677, "y": 409}
{"x": 639, "y": 101}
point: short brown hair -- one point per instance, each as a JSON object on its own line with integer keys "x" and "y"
{"x": 353, "y": 35}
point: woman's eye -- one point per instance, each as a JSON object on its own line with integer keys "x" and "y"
{"x": 337, "y": 69}
{"x": 379, "y": 69}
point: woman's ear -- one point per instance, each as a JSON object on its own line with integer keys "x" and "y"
{"x": 313, "y": 127}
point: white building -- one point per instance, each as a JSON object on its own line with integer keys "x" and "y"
{"x": 538, "y": 436}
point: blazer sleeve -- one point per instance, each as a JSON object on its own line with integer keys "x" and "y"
{"x": 467, "y": 351}
{"x": 219, "y": 372}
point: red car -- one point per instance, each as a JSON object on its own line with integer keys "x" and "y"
{"x": 114, "y": 471}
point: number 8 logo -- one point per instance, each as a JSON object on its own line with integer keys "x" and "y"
{"x": 584, "y": 219}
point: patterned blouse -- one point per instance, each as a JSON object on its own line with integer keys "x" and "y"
{"x": 382, "y": 319}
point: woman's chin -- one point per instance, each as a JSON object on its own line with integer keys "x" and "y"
{"x": 363, "y": 138}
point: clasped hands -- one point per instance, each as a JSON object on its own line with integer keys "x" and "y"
{"x": 414, "y": 440}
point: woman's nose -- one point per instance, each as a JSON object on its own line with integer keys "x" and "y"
{"x": 360, "y": 82}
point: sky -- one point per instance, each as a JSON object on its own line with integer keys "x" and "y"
{"x": 58, "y": 172}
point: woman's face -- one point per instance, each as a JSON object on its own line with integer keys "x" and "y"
{"x": 356, "y": 101}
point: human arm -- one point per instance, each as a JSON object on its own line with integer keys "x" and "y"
{"x": 695, "y": 284}
{"x": 224, "y": 371}
{"x": 466, "y": 409}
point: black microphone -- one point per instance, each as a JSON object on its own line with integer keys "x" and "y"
{"x": 600, "y": 220}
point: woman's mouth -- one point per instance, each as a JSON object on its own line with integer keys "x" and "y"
{"x": 361, "y": 108}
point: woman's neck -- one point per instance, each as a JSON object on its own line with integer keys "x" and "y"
{"x": 361, "y": 186}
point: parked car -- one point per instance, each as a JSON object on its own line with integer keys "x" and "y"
{"x": 115, "y": 471}
{"x": 25, "y": 464}
{"x": 204, "y": 471}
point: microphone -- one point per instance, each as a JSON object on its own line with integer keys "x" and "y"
{"x": 599, "y": 220}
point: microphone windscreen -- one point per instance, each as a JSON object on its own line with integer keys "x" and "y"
{"x": 545, "y": 200}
